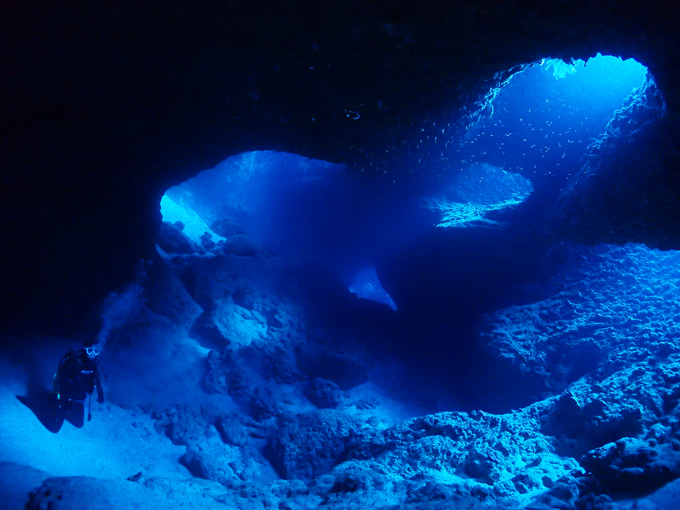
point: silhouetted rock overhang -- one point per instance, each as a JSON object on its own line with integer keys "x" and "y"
{"x": 105, "y": 104}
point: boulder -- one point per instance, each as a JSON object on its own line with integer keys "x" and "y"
{"x": 310, "y": 444}
{"x": 210, "y": 464}
{"x": 323, "y": 394}
{"x": 166, "y": 295}
{"x": 184, "y": 425}
{"x": 636, "y": 466}
{"x": 172, "y": 240}
{"x": 232, "y": 326}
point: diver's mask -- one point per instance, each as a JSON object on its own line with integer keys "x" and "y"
{"x": 92, "y": 352}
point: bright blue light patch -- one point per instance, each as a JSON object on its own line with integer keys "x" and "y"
{"x": 293, "y": 205}
{"x": 545, "y": 117}
{"x": 559, "y": 68}
{"x": 478, "y": 190}
{"x": 599, "y": 70}
{"x": 194, "y": 226}
{"x": 276, "y": 198}
{"x": 367, "y": 286}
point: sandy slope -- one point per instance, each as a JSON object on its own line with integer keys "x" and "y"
{"x": 116, "y": 444}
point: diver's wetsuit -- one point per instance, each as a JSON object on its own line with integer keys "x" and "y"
{"x": 76, "y": 378}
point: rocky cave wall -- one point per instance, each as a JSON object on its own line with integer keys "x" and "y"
{"x": 107, "y": 104}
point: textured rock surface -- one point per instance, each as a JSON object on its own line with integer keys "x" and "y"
{"x": 229, "y": 324}
{"x": 619, "y": 194}
{"x": 310, "y": 444}
{"x": 323, "y": 393}
{"x": 637, "y": 465}
{"x": 489, "y": 457}
{"x": 608, "y": 307}
{"x": 240, "y": 245}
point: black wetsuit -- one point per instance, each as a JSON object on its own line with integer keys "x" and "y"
{"x": 77, "y": 377}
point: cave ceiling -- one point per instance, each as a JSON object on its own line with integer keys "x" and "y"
{"x": 106, "y": 104}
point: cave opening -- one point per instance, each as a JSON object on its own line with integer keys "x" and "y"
{"x": 530, "y": 141}
{"x": 438, "y": 261}
{"x": 542, "y": 120}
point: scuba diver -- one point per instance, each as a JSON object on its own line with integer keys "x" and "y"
{"x": 76, "y": 379}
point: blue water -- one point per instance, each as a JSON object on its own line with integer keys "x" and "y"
{"x": 546, "y": 116}
{"x": 530, "y": 143}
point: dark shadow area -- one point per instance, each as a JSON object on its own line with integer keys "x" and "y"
{"x": 46, "y": 408}
{"x": 74, "y": 413}
{"x": 444, "y": 284}
{"x": 35, "y": 371}
{"x": 33, "y": 362}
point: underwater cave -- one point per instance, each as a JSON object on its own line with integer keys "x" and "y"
{"x": 353, "y": 266}
{"x": 525, "y": 142}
